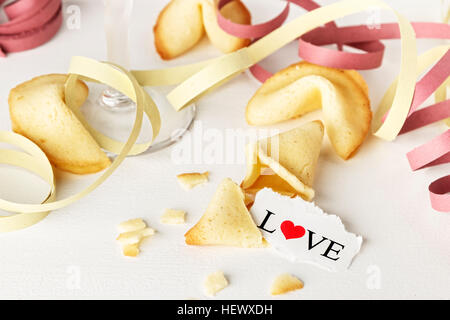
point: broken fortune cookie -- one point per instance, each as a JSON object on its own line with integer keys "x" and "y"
{"x": 288, "y": 164}
{"x": 285, "y": 283}
{"x": 226, "y": 221}
{"x": 214, "y": 283}
{"x": 132, "y": 232}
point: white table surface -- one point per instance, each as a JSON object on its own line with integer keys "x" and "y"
{"x": 73, "y": 254}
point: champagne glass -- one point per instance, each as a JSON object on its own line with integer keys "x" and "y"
{"x": 117, "y": 21}
{"x": 112, "y": 112}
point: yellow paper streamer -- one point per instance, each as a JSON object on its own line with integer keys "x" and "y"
{"x": 34, "y": 160}
{"x": 91, "y": 69}
{"x": 441, "y": 92}
{"x": 196, "y": 79}
{"x": 222, "y": 70}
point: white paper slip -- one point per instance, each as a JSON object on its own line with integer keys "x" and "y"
{"x": 302, "y": 232}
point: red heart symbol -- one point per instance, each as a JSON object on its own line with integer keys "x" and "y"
{"x": 292, "y": 231}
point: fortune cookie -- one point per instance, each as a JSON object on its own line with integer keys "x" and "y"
{"x": 226, "y": 221}
{"x": 303, "y": 87}
{"x": 38, "y": 111}
{"x": 288, "y": 164}
{"x": 182, "y": 24}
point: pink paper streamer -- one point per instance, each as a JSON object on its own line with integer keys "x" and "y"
{"x": 360, "y": 37}
{"x": 426, "y": 116}
{"x": 439, "y": 197}
{"x": 429, "y": 83}
{"x": 250, "y": 31}
{"x": 435, "y": 152}
{"x": 431, "y": 153}
{"x": 31, "y": 24}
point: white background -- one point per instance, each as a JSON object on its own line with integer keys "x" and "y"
{"x": 406, "y": 243}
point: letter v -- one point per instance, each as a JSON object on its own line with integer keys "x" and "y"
{"x": 310, "y": 241}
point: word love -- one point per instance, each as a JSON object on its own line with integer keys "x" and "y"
{"x": 302, "y": 232}
{"x": 291, "y": 231}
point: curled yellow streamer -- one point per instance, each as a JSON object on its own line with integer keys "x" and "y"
{"x": 34, "y": 160}
{"x": 196, "y": 79}
{"x": 221, "y": 70}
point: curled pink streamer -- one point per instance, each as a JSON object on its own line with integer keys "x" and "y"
{"x": 31, "y": 24}
{"x": 440, "y": 199}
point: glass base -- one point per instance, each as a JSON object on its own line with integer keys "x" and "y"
{"x": 174, "y": 124}
{"x": 116, "y": 118}
{"x": 116, "y": 101}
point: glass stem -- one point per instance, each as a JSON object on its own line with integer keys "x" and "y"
{"x": 117, "y": 20}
